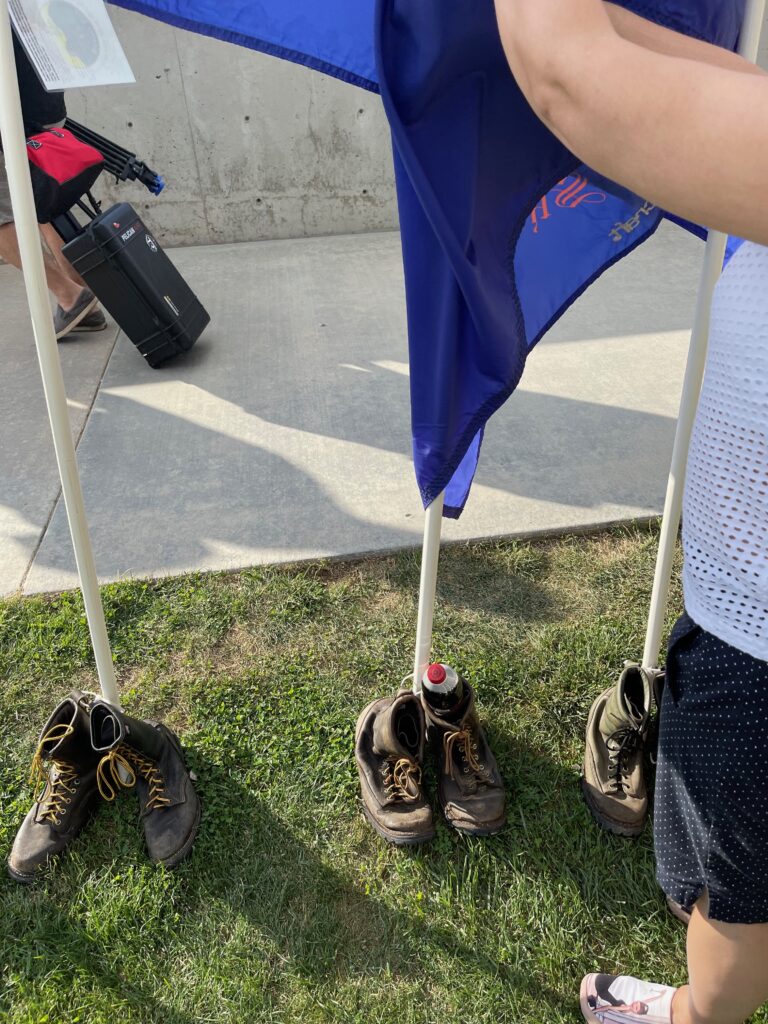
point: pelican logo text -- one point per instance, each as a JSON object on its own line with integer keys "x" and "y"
{"x": 572, "y": 192}
{"x": 624, "y": 228}
{"x": 567, "y": 195}
{"x": 128, "y": 234}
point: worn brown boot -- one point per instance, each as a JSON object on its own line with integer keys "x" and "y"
{"x": 389, "y": 750}
{"x": 614, "y": 781}
{"x": 69, "y": 791}
{"x": 470, "y": 788}
{"x": 148, "y": 756}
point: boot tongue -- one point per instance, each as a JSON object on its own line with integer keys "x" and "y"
{"x": 396, "y": 731}
{"x": 629, "y": 704}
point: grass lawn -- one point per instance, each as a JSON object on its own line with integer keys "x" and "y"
{"x": 290, "y": 909}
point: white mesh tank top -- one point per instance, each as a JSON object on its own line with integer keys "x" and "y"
{"x": 725, "y": 517}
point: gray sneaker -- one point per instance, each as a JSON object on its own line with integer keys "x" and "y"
{"x": 65, "y": 321}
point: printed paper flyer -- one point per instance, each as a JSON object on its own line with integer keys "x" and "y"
{"x": 71, "y": 43}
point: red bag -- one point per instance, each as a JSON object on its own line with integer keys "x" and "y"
{"x": 62, "y": 168}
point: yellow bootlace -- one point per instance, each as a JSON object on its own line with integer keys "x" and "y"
{"x": 123, "y": 757}
{"x": 402, "y": 779}
{"x": 60, "y": 780}
{"x": 154, "y": 780}
{"x": 468, "y": 748}
{"x": 108, "y": 777}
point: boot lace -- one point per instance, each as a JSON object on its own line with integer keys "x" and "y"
{"x": 468, "y": 754}
{"x": 61, "y": 780}
{"x": 108, "y": 775}
{"x": 621, "y": 745}
{"x": 402, "y": 779}
{"x": 109, "y": 779}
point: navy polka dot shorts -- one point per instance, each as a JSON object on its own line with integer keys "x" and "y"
{"x": 711, "y": 806}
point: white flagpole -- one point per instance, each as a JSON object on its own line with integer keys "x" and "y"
{"x": 430, "y": 557}
{"x": 17, "y": 166}
{"x": 749, "y": 44}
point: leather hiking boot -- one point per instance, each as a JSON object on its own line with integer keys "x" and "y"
{"x": 147, "y": 756}
{"x": 618, "y": 727}
{"x": 69, "y": 790}
{"x": 470, "y": 790}
{"x": 389, "y": 750}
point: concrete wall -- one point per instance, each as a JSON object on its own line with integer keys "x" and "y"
{"x": 252, "y": 147}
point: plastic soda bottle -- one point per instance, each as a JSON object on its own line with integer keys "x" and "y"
{"x": 442, "y": 687}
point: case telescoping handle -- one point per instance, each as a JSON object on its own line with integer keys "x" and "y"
{"x": 125, "y": 165}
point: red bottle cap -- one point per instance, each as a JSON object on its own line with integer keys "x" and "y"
{"x": 436, "y": 674}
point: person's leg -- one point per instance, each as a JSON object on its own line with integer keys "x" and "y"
{"x": 727, "y": 969}
{"x": 55, "y": 243}
{"x": 66, "y": 291}
{"x": 95, "y": 320}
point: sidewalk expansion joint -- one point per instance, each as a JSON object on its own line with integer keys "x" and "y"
{"x": 78, "y": 438}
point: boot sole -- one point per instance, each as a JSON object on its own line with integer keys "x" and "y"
{"x": 616, "y": 828}
{"x": 491, "y": 829}
{"x": 394, "y": 838}
{"x": 19, "y": 876}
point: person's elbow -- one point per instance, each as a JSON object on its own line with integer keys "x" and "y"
{"x": 550, "y": 98}
{"x": 559, "y": 99}
{"x": 549, "y": 94}
{"x": 541, "y": 76}
{"x": 560, "y": 75}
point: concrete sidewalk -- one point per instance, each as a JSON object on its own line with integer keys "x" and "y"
{"x": 285, "y": 434}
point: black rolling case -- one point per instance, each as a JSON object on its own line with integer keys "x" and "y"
{"x": 124, "y": 266}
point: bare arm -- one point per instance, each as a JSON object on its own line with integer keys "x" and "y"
{"x": 690, "y": 136}
{"x": 662, "y": 40}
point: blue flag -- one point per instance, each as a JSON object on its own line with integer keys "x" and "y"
{"x": 502, "y": 227}
{"x": 333, "y": 36}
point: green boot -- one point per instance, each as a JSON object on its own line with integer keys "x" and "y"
{"x": 617, "y": 732}
{"x": 148, "y": 756}
{"x": 69, "y": 789}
